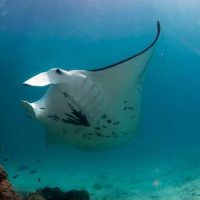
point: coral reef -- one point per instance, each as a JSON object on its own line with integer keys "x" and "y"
{"x": 6, "y": 190}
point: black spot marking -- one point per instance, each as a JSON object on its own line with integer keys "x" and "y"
{"x": 64, "y": 131}
{"x": 65, "y": 94}
{"x": 104, "y": 126}
{"x": 109, "y": 121}
{"x": 104, "y": 116}
{"x": 116, "y": 123}
{"x": 133, "y": 116}
{"x": 58, "y": 71}
{"x": 108, "y": 136}
{"x": 125, "y": 101}
{"x": 130, "y": 108}
{"x": 98, "y": 128}
{"x": 125, "y": 108}
{"x": 90, "y": 134}
{"x": 99, "y": 134}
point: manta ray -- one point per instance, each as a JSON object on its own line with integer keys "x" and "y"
{"x": 91, "y": 110}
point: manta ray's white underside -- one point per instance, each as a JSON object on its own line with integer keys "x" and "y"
{"x": 91, "y": 110}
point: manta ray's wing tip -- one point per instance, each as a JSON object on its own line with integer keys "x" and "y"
{"x": 26, "y": 84}
{"x": 158, "y": 26}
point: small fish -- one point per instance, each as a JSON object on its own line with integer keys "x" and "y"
{"x": 5, "y": 159}
{"x": 23, "y": 167}
{"x": 39, "y": 180}
{"x": 33, "y": 172}
{"x": 16, "y": 176}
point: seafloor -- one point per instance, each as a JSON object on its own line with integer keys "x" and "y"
{"x": 168, "y": 181}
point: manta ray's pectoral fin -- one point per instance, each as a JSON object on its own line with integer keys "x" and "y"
{"x": 29, "y": 108}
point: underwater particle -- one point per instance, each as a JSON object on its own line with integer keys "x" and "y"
{"x": 156, "y": 183}
{"x": 97, "y": 186}
{"x": 109, "y": 121}
{"x": 16, "y": 176}
{"x": 33, "y": 172}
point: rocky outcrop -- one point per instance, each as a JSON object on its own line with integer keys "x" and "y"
{"x": 57, "y": 194}
{"x": 6, "y": 190}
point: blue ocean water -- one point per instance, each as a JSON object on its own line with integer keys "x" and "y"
{"x": 75, "y": 34}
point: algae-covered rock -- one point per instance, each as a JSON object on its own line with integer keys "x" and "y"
{"x": 6, "y": 190}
